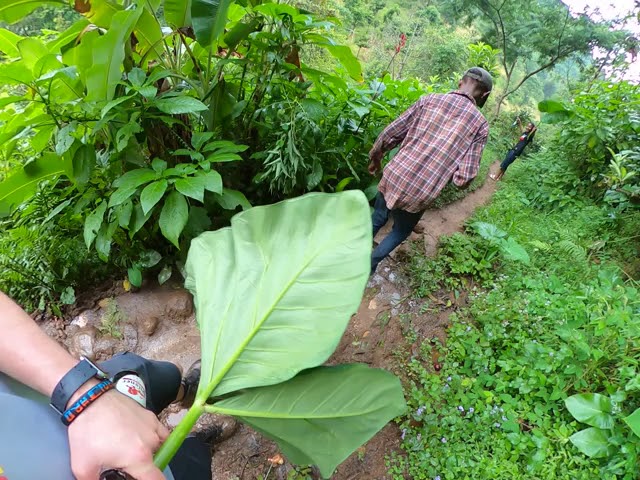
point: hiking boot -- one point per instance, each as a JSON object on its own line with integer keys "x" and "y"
{"x": 223, "y": 428}
{"x": 190, "y": 384}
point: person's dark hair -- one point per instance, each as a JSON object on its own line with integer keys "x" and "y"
{"x": 479, "y": 86}
{"x": 481, "y": 82}
{"x": 480, "y": 77}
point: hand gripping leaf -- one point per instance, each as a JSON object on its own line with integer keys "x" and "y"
{"x": 274, "y": 294}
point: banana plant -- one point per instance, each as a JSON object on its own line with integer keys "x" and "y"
{"x": 274, "y": 293}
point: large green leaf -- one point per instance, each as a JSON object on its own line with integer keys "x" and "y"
{"x": 349, "y": 61}
{"x": 31, "y": 51}
{"x": 275, "y": 291}
{"x": 208, "y": 18}
{"x": 514, "y": 251}
{"x": 149, "y": 36}
{"x": 212, "y": 181}
{"x": 70, "y": 35}
{"x": 488, "y": 231}
{"x": 633, "y": 421}
{"x": 591, "y": 408}
{"x": 177, "y": 13}
{"x": 15, "y": 73}
{"x": 84, "y": 159}
{"x": 231, "y": 199}
{"x": 9, "y": 43}
{"x": 555, "y": 111}
{"x": 192, "y": 187}
{"x": 322, "y": 415}
{"x": 93, "y": 222}
{"x": 173, "y": 217}
{"x": 591, "y": 441}
{"x": 135, "y": 178}
{"x": 21, "y": 185}
{"x": 12, "y": 11}
{"x": 151, "y": 194}
{"x": 99, "y": 12}
{"x": 551, "y": 106}
{"x": 108, "y": 56}
{"x": 240, "y": 32}
{"x": 180, "y": 104}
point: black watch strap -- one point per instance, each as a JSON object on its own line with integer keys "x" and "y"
{"x": 71, "y": 383}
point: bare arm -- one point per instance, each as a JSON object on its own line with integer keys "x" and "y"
{"x": 393, "y": 135}
{"x": 27, "y": 353}
{"x": 470, "y": 163}
{"x": 115, "y": 432}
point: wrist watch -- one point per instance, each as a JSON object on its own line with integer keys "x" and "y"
{"x": 75, "y": 378}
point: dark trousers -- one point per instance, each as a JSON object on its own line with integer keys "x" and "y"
{"x": 403, "y": 223}
{"x": 508, "y": 160}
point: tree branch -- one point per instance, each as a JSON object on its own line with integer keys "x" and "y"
{"x": 566, "y": 20}
{"x": 500, "y": 31}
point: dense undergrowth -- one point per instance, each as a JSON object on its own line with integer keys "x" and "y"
{"x": 563, "y": 321}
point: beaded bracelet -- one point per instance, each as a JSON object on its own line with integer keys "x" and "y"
{"x": 87, "y": 399}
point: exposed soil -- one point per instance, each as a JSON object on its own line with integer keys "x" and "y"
{"x": 386, "y": 332}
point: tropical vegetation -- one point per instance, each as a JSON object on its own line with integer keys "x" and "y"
{"x": 139, "y": 141}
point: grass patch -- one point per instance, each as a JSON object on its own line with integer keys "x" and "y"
{"x": 564, "y": 322}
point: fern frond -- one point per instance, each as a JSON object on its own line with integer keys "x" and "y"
{"x": 572, "y": 249}
{"x": 540, "y": 245}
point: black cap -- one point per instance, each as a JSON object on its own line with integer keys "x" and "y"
{"x": 481, "y": 76}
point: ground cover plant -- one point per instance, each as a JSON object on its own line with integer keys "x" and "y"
{"x": 538, "y": 340}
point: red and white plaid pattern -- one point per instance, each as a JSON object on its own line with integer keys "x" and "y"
{"x": 442, "y": 137}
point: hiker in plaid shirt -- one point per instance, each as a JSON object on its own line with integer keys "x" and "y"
{"x": 442, "y": 137}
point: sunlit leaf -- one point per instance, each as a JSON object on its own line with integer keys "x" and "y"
{"x": 9, "y": 43}
{"x": 31, "y": 51}
{"x": 591, "y": 408}
{"x": 12, "y": 11}
{"x": 593, "y": 442}
{"x": 93, "y": 222}
{"x": 181, "y": 104}
{"x": 209, "y": 18}
{"x": 322, "y": 415}
{"x": 108, "y": 56}
{"x": 513, "y": 250}
{"x": 193, "y": 187}
{"x": 282, "y": 325}
{"x": 19, "y": 186}
{"x": 135, "y": 277}
{"x": 177, "y": 13}
{"x": 633, "y": 421}
{"x": 152, "y": 194}
{"x": 173, "y": 217}
{"x": 346, "y": 57}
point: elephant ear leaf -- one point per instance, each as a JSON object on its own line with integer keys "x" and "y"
{"x": 275, "y": 291}
{"x": 322, "y": 415}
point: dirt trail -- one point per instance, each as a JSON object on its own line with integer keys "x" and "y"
{"x": 159, "y": 324}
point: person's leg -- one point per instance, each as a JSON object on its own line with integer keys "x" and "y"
{"x": 403, "y": 223}
{"x": 192, "y": 461}
{"x": 380, "y": 213}
{"x": 508, "y": 160}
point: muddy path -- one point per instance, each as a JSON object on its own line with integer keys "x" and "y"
{"x": 386, "y": 332}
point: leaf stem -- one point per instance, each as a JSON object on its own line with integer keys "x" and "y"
{"x": 177, "y": 437}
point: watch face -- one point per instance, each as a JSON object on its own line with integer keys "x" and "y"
{"x": 99, "y": 372}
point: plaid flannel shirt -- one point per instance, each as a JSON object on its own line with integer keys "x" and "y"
{"x": 442, "y": 138}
